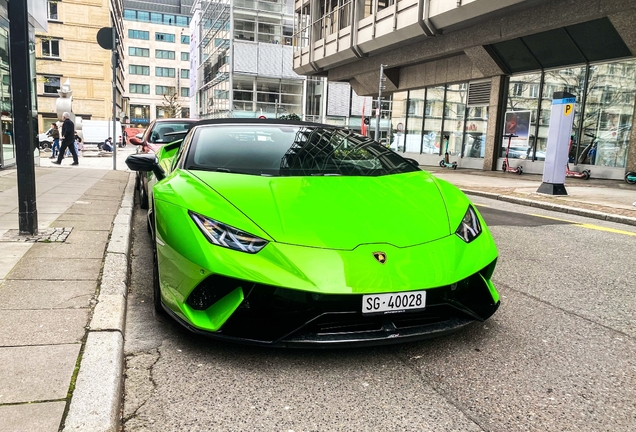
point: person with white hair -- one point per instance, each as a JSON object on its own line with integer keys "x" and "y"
{"x": 68, "y": 140}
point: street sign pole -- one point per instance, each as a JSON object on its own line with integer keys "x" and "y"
{"x": 23, "y": 130}
{"x": 107, "y": 39}
{"x": 114, "y": 61}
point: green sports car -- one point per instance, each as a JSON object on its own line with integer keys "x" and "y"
{"x": 285, "y": 233}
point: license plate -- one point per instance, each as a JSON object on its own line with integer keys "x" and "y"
{"x": 392, "y": 303}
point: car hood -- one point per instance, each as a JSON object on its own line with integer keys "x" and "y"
{"x": 338, "y": 212}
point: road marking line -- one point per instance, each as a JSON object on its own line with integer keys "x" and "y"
{"x": 553, "y": 218}
{"x": 612, "y": 230}
{"x": 588, "y": 226}
{"x": 481, "y": 205}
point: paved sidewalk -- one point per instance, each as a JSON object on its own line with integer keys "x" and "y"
{"x": 48, "y": 289}
{"x": 612, "y": 197}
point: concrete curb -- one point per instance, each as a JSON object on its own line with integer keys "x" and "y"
{"x": 95, "y": 405}
{"x": 555, "y": 207}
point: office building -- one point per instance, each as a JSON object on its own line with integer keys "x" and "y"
{"x": 69, "y": 51}
{"x": 461, "y": 74}
{"x": 157, "y": 64}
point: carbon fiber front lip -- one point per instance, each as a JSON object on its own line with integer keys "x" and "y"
{"x": 386, "y": 336}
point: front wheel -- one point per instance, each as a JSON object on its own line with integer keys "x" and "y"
{"x": 454, "y": 165}
{"x": 586, "y": 174}
{"x": 504, "y": 166}
{"x": 630, "y": 177}
{"x": 519, "y": 170}
{"x": 441, "y": 163}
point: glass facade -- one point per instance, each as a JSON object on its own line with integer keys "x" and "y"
{"x": 7, "y": 149}
{"x": 602, "y": 117}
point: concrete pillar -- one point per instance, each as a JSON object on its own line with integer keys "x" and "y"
{"x": 496, "y": 111}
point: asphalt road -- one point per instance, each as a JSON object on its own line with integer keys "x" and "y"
{"x": 559, "y": 354}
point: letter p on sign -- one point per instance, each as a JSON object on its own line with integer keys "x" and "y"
{"x": 567, "y": 109}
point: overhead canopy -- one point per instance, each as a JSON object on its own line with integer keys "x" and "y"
{"x": 587, "y": 42}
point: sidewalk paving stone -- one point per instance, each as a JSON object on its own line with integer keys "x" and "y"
{"x": 41, "y": 327}
{"x": 34, "y": 294}
{"x": 66, "y": 269}
{"x": 60, "y": 251}
{"x": 40, "y": 417}
{"x": 37, "y": 372}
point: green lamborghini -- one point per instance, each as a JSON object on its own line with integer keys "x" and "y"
{"x": 285, "y": 233}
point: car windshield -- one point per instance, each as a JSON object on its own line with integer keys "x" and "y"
{"x": 291, "y": 150}
{"x": 160, "y": 131}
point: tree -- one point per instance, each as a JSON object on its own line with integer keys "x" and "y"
{"x": 171, "y": 105}
{"x": 291, "y": 116}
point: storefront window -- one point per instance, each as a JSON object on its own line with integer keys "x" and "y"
{"x": 433, "y": 112}
{"x": 454, "y": 113}
{"x": 521, "y": 116}
{"x": 417, "y": 100}
{"x": 398, "y": 121}
{"x": 607, "y": 121}
{"x": 475, "y": 133}
{"x": 571, "y": 80}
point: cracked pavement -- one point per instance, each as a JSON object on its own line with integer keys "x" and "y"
{"x": 559, "y": 355}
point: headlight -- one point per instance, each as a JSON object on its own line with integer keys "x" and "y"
{"x": 469, "y": 228}
{"x": 226, "y": 236}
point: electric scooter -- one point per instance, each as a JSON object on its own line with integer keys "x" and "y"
{"x": 630, "y": 177}
{"x": 585, "y": 174}
{"x": 446, "y": 163}
{"x": 505, "y": 166}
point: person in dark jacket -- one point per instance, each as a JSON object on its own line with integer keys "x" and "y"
{"x": 68, "y": 138}
{"x": 55, "y": 134}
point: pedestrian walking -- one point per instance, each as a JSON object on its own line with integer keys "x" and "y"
{"x": 55, "y": 134}
{"x": 68, "y": 140}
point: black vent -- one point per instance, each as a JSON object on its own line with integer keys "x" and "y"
{"x": 479, "y": 93}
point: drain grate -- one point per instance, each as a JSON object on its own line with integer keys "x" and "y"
{"x": 49, "y": 235}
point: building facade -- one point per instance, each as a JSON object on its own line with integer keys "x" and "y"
{"x": 69, "y": 50}
{"x": 243, "y": 51}
{"x": 462, "y": 74}
{"x": 37, "y": 22}
{"x": 157, "y": 64}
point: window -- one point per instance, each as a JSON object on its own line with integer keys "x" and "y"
{"x": 164, "y": 72}
{"x": 138, "y": 34}
{"x": 534, "y": 90}
{"x": 517, "y": 89}
{"x": 185, "y": 56}
{"x": 51, "y": 84}
{"x": 185, "y": 73}
{"x": 161, "y": 112}
{"x": 185, "y": 92}
{"x": 139, "y": 88}
{"x": 168, "y": 19}
{"x": 164, "y": 90}
{"x": 138, "y": 52}
{"x": 163, "y": 54}
{"x": 185, "y": 112}
{"x": 156, "y": 18}
{"x": 130, "y": 14}
{"x": 52, "y": 11}
{"x": 139, "y": 70}
{"x": 185, "y": 39}
{"x": 143, "y": 16}
{"x": 164, "y": 37}
{"x": 183, "y": 21}
{"x": 140, "y": 114}
{"x": 50, "y": 48}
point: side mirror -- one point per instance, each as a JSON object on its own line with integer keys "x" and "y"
{"x": 145, "y": 162}
{"x": 136, "y": 141}
{"x": 413, "y": 162}
{"x": 139, "y": 136}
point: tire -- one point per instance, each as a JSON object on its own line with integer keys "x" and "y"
{"x": 630, "y": 177}
{"x": 454, "y": 165}
{"x": 519, "y": 170}
{"x": 586, "y": 175}
{"x": 441, "y": 163}
{"x": 143, "y": 192}
{"x": 503, "y": 166}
